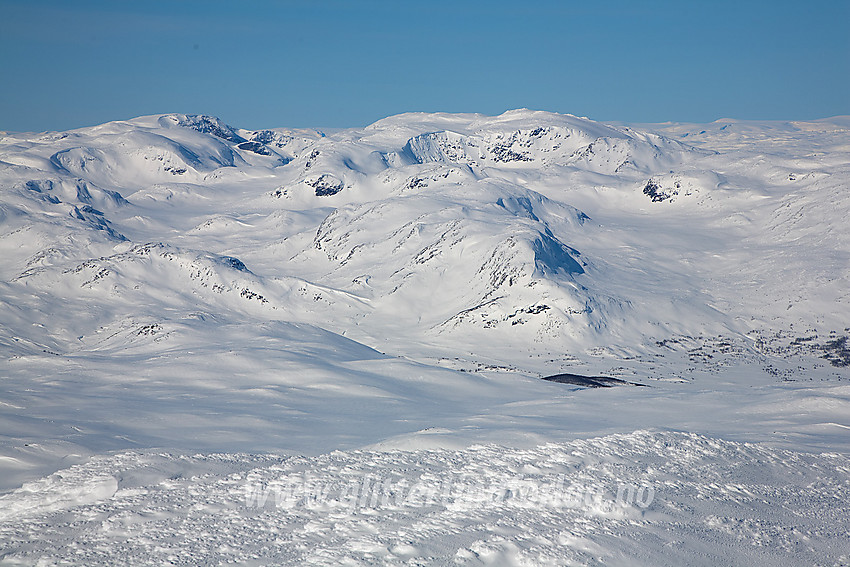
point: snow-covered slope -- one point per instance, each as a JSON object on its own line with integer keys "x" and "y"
{"x": 637, "y": 499}
{"x": 530, "y": 226}
{"x": 175, "y": 282}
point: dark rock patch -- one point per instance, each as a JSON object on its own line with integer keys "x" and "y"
{"x": 589, "y": 381}
{"x": 659, "y": 194}
{"x": 210, "y": 125}
{"x": 256, "y": 147}
{"x": 326, "y": 185}
{"x": 837, "y": 352}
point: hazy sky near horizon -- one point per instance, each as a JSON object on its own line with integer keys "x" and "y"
{"x": 337, "y": 63}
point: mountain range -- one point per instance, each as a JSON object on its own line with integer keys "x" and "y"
{"x": 382, "y": 345}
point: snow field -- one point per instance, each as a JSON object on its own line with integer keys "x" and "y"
{"x": 644, "y": 498}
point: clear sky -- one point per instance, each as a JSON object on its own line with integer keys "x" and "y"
{"x": 327, "y": 63}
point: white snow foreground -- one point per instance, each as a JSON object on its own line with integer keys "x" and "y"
{"x": 173, "y": 284}
{"x": 645, "y": 498}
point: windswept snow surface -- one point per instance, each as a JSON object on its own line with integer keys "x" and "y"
{"x": 638, "y": 499}
{"x": 196, "y": 315}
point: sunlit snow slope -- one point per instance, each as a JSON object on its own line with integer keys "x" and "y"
{"x": 550, "y": 232}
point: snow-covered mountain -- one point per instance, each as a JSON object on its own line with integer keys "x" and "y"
{"x": 544, "y": 231}
{"x": 176, "y": 282}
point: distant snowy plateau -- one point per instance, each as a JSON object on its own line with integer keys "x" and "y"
{"x": 290, "y": 347}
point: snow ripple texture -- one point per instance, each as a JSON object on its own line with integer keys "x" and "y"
{"x": 645, "y": 498}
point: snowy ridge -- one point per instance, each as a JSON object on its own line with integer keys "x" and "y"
{"x": 543, "y": 146}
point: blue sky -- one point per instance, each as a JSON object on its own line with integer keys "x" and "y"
{"x": 327, "y": 63}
